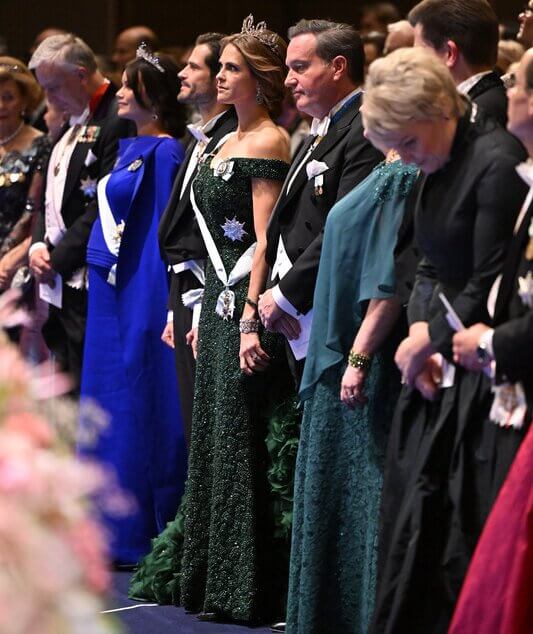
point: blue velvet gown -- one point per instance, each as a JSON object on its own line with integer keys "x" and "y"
{"x": 127, "y": 369}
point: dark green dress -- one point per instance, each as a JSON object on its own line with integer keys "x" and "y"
{"x": 339, "y": 469}
{"x": 229, "y": 562}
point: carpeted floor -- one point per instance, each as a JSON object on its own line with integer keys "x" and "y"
{"x": 142, "y": 618}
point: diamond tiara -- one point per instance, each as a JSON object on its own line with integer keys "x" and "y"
{"x": 259, "y": 32}
{"x": 143, "y": 52}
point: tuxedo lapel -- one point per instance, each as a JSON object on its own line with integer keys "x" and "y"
{"x": 512, "y": 262}
{"x": 173, "y": 201}
{"x": 178, "y": 203}
{"x": 75, "y": 167}
{"x": 335, "y": 134}
{"x": 81, "y": 150}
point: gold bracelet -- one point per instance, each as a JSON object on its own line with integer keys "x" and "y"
{"x": 359, "y": 360}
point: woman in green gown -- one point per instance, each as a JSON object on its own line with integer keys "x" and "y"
{"x": 347, "y": 409}
{"x": 226, "y": 531}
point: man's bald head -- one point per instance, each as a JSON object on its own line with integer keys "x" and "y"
{"x": 127, "y": 42}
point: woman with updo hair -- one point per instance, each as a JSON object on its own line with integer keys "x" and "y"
{"x": 445, "y": 462}
{"x": 23, "y": 153}
{"x": 127, "y": 369}
{"x": 228, "y": 569}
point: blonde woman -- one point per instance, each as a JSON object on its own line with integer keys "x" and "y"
{"x": 442, "y": 464}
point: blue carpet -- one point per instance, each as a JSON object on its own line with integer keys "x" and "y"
{"x": 147, "y": 619}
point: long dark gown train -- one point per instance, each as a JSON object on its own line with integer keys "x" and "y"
{"x": 232, "y": 562}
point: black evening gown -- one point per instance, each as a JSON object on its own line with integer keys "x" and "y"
{"x": 443, "y": 466}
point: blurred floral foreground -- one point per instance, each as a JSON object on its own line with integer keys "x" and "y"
{"x": 54, "y": 571}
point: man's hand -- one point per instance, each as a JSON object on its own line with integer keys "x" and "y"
{"x": 288, "y": 326}
{"x": 168, "y": 335}
{"x": 40, "y": 265}
{"x": 192, "y": 340}
{"x": 465, "y": 345}
{"x": 269, "y": 311}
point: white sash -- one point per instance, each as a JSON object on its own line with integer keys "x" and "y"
{"x": 110, "y": 229}
{"x": 226, "y": 299}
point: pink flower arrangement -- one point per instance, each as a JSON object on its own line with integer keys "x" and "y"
{"x": 53, "y": 557}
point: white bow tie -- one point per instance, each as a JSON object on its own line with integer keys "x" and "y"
{"x": 525, "y": 171}
{"x": 319, "y": 127}
{"x": 198, "y": 133}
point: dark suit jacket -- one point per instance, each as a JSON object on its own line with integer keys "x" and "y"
{"x": 78, "y": 210}
{"x": 179, "y": 236}
{"x": 513, "y": 320}
{"x": 300, "y": 216}
{"x": 489, "y": 93}
{"x": 464, "y": 222}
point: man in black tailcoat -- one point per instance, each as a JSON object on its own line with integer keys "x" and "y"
{"x": 180, "y": 241}
{"x": 509, "y": 342}
{"x": 66, "y": 68}
{"x": 325, "y": 61}
{"x": 464, "y": 34}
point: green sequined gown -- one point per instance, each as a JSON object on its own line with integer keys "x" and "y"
{"x": 230, "y": 564}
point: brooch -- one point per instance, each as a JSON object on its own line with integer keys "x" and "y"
{"x": 133, "y": 167}
{"x": 117, "y": 236}
{"x": 88, "y": 187}
{"x": 224, "y": 170}
{"x": 233, "y": 229}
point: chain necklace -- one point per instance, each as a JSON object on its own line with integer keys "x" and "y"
{"x": 5, "y": 140}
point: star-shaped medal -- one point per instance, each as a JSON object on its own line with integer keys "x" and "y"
{"x": 88, "y": 187}
{"x": 233, "y": 229}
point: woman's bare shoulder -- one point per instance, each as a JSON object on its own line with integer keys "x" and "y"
{"x": 269, "y": 142}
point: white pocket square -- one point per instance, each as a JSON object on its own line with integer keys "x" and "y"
{"x": 90, "y": 158}
{"x": 315, "y": 168}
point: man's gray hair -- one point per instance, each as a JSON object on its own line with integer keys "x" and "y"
{"x": 64, "y": 50}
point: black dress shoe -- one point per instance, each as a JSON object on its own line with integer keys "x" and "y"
{"x": 278, "y": 627}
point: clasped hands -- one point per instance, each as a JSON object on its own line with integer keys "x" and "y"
{"x": 41, "y": 267}
{"x": 276, "y": 319}
{"x": 418, "y": 365}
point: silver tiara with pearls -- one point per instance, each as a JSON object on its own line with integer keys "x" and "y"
{"x": 143, "y": 52}
{"x": 259, "y": 32}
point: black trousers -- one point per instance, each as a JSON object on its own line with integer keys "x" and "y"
{"x": 185, "y": 363}
{"x": 64, "y": 333}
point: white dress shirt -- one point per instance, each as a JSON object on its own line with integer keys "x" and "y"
{"x": 55, "y": 187}
{"x": 282, "y": 265}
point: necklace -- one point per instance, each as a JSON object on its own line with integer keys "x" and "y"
{"x": 6, "y": 139}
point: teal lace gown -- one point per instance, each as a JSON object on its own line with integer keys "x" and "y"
{"x": 222, "y": 553}
{"x": 341, "y": 454}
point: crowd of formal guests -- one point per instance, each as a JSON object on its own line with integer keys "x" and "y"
{"x": 298, "y": 276}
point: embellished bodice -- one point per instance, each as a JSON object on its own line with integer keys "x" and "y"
{"x": 223, "y": 193}
{"x": 16, "y": 171}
